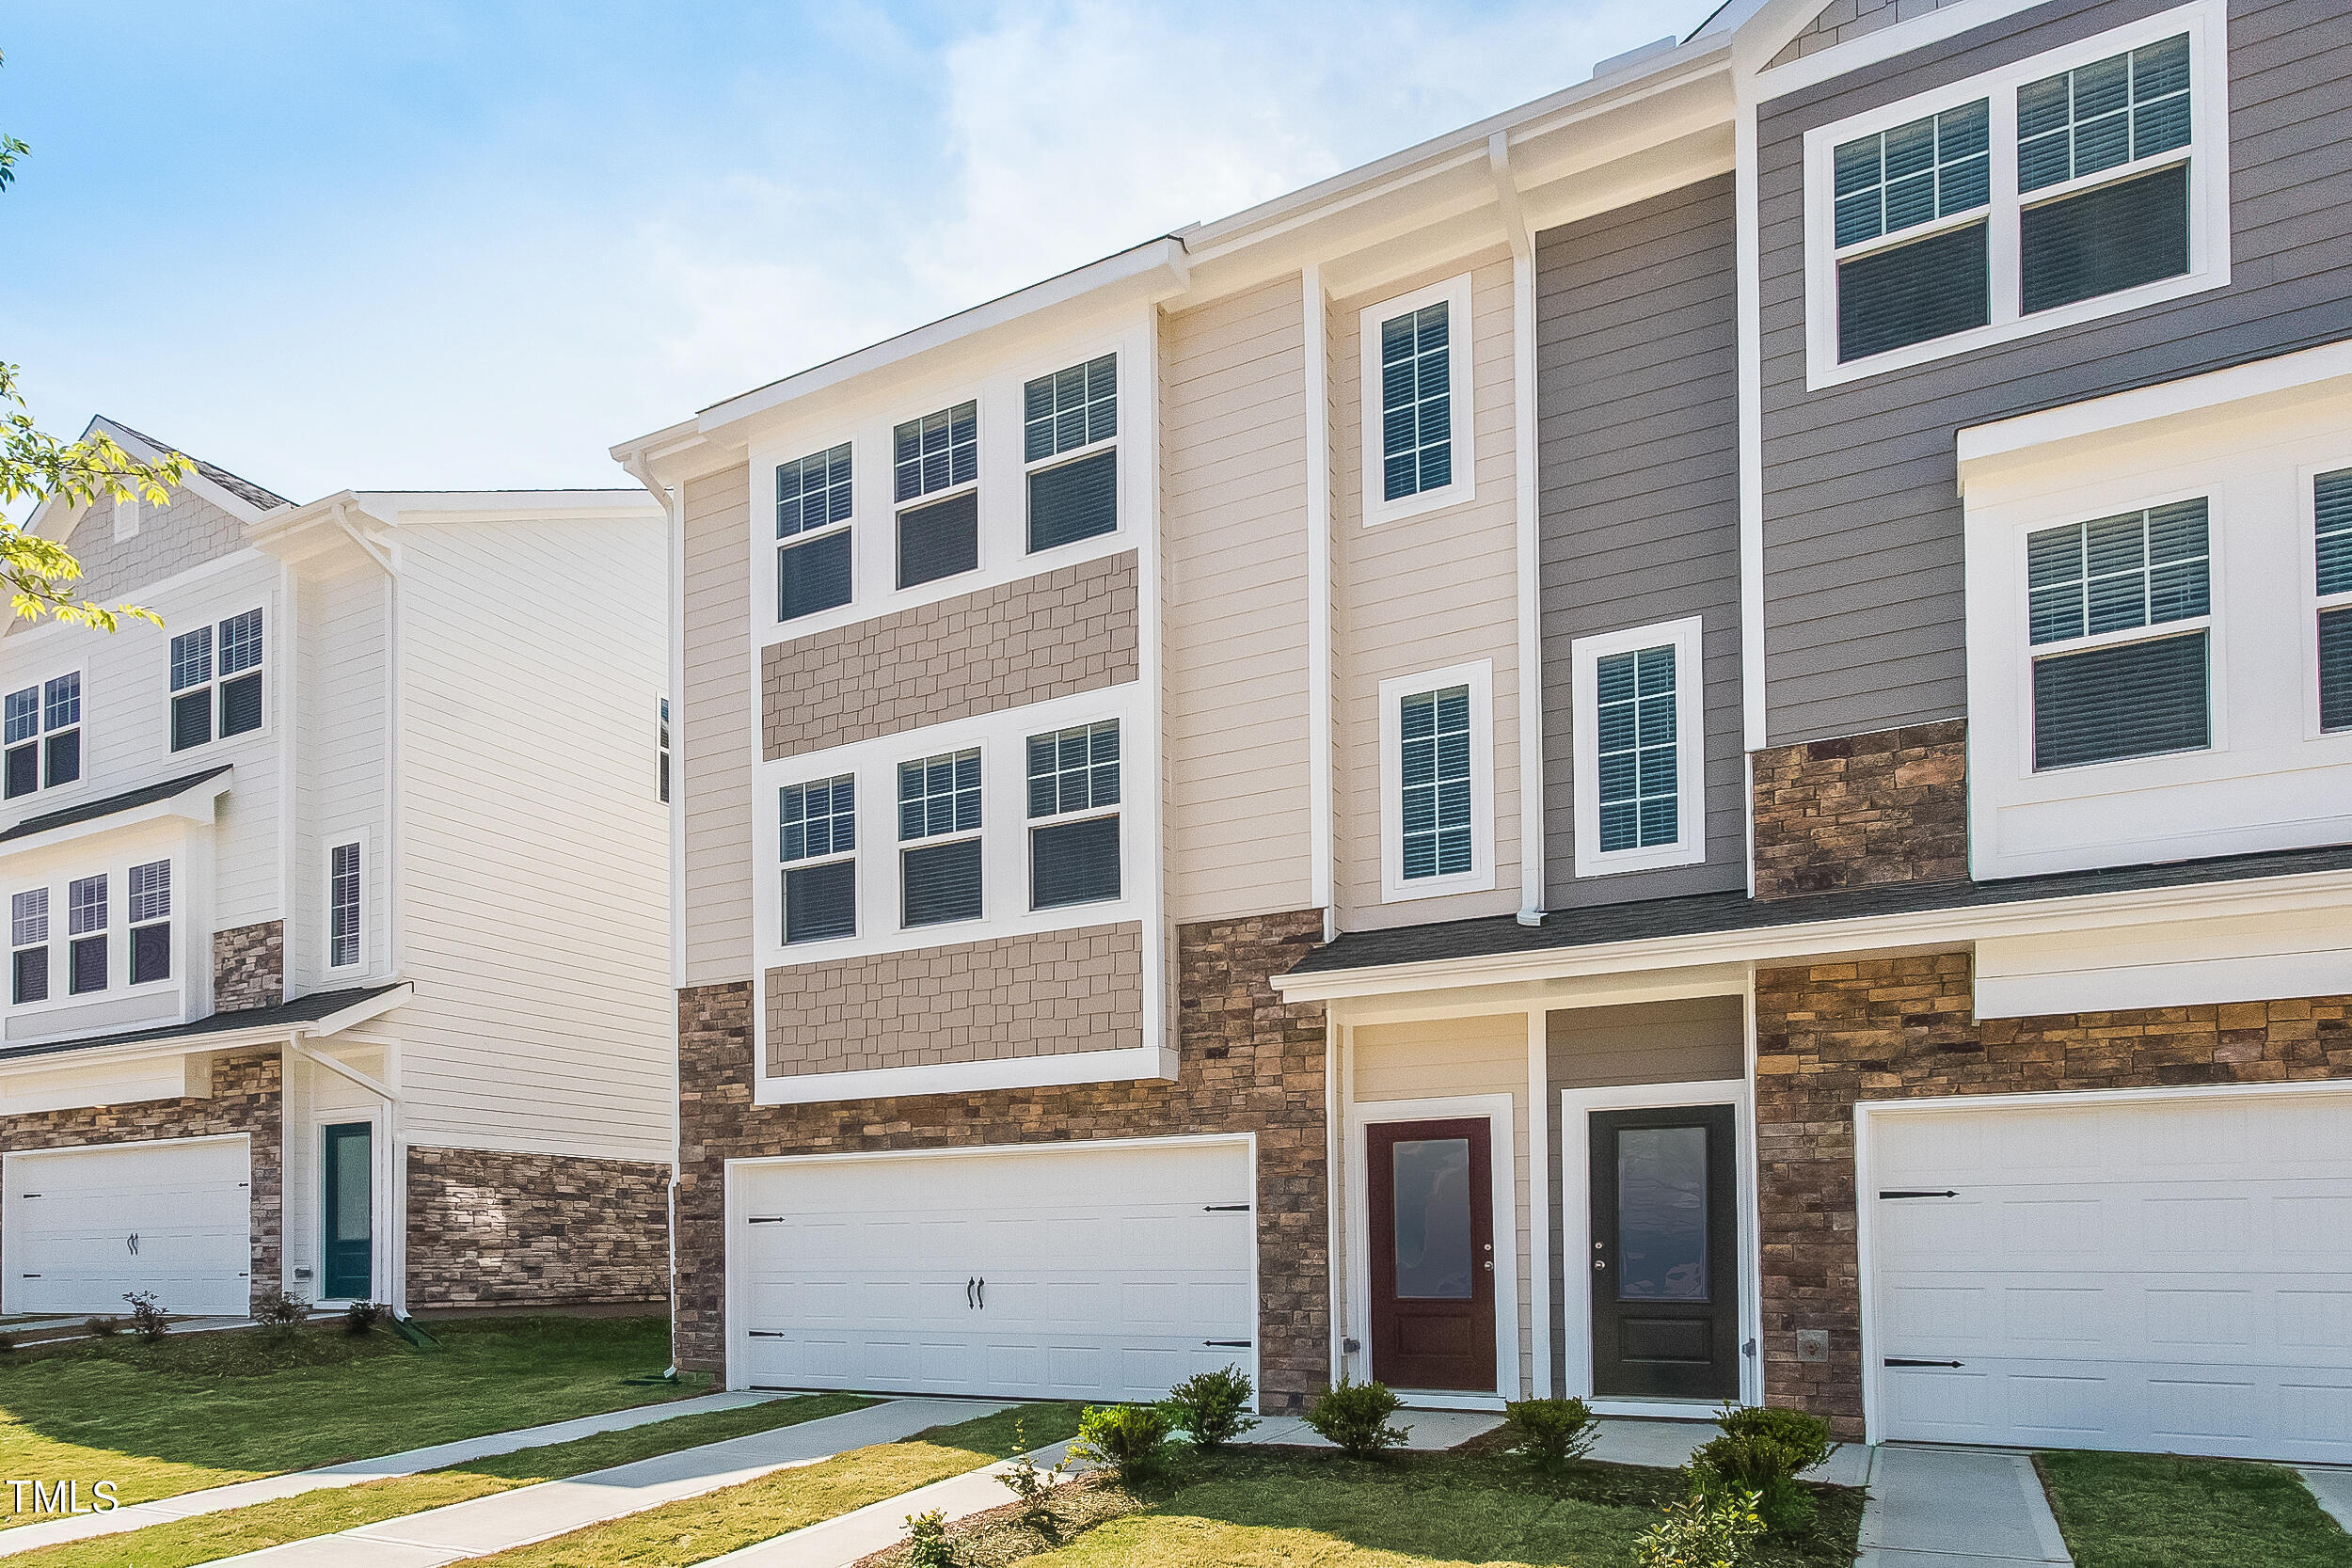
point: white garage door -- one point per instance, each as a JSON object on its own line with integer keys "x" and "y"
{"x": 1075, "y": 1273}
{"x": 80, "y": 1228}
{"x": 2167, "y": 1275}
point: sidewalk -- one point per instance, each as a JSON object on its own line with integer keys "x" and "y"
{"x": 1957, "y": 1508}
{"x": 837, "y": 1543}
{"x": 383, "y": 1467}
{"x": 2334, "y": 1488}
{"x": 528, "y": 1513}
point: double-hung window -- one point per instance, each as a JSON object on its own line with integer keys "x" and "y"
{"x": 2077, "y": 185}
{"x": 43, "y": 724}
{"x": 1638, "y": 736}
{"x": 149, "y": 891}
{"x": 938, "y": 837}
{"x": 346, "y": 897}
{"x": 1417, "y": 402}
{"x": 2119, "y": 617}
{"x": 216, "y": 681}
{"x": 1436, "y": 782}
{"x": 85, "y": 935}
{"x": 935, "y": 472}
{"x": 813, "y": 534}
{"x": 28, "y": 941}
{"x": 1070, "y": 425}
{"x": 2331, "y": 496}
{"x": 1074, "y": 815}
{"x": 817, "y": 844}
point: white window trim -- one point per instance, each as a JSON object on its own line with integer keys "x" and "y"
{"x": 44, "y": 790}
{"x": 2315, "y": 603}
{"x": 1462, "y": 412}
{"x": 1584, "y": 656}
{"x": 2208, "y": 156}
{"x": 858, "y": 831}
{"x": 1059, "y": 818}
{"x": 990, "y": 892}
{"x": 326, "y": 904}
{"x": 62, "y": 997}
{"x": 776, "y": 546}
{"x": 212, "y": 687}
{"x": 1480, "y": 877}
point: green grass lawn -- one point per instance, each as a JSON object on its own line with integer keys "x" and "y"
{"x": 204, "y": 1410}
{"x": 699, "y": 1528}
{"x": 2149, "y": 1511}
{"x": 213, "y": 1536}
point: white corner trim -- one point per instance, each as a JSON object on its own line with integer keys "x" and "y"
{"x": 1394, "y": 886}
{"x": 1690, "y": 843}
{"x": 1502, "y": 1172}
{"x": 1145, "y": 1063}
{"x": 1539, "y": 1199}
{"x": 1321, "y": 814}
{"x": 1461, "y": 408}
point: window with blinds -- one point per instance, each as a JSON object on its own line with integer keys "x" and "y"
{"x": 813, "y": 507}
{"x": 939, "y": 833}
{"x": 817, "y": 844}
{"x": 2331, "y": 496}
{"x": 42, "y": 729}
{"x": 1075, "y": 410}
{"x": 939, "y": 540}
{"x": 1637, "y": 722}
{"x": 1433, "y": 730}
{"x": 2118, "y": 618}
{"x": 1074, "y": 815}
{"x": 1417, "y": 402}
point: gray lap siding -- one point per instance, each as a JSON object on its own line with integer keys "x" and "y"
{"x": 1865, "y": 626}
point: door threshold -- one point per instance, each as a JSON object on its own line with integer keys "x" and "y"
{"x": 1657, "y": 1410}
{"x": 1446, "y": 1398}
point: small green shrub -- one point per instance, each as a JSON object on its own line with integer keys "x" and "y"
{"x": 102, "y": 1327}
{"x": 1212, "y": 1408}
{"x": 8, "y": 1344}
{"x": 282, "y": 1314}
{"x": 1131, "y": 1439}
{"x": 361, "y": 1316}
{"x": 927, "y": 1541}
{"x": 1550, "y": 1432}
{"x": 1033, "y": 1488}
{"x": 1759, "y": 1468}
{"x": 1806, "y": 1437}
{"x": 1354, "y": 1416}
{"x": 1702, "y": 1532}
{"x": 146, "y": 1315}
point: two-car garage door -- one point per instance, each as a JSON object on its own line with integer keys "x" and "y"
{"x": 1073, "y": 1272}
{"x": 2167, "y": 1275}
{"x": 79, "y": 1228}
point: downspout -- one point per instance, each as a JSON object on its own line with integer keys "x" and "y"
{"x": 1523, "y": 437}
{"x": 674, "y": 546}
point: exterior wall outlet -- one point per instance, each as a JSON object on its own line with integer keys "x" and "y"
{"x": 1812, "y": 1344}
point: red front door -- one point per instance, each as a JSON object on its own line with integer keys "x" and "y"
{"x": 1431, "y": 1210}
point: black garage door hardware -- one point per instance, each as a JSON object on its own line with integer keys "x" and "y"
{"x": 1906, "y": 1192}
{"x": 1227, "y": 1344}
{"x": 1908, "y": 1361}
{"x": 1225, "y": 1208}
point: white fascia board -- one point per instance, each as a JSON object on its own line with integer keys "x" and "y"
{"x": 194, "y": 803}
{"x": 195, "y": 484}
{"x": 219, "y": 1039}
{"x": 1130, "y": 1064}
{"x": 538, "y": 505}
{"x": 357, "y": 1014}
{"x": 1922, "y": 931}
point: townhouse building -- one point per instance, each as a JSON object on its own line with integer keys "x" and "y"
{"x": 338, "y": 905}
{"x": 1692, "y": 744}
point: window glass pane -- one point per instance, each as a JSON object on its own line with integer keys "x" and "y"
{"x": 1636, "y": 735}
{"x": 940, "y": 795}
{"x": 1075, "y": 770}
{"x": 342, "y": 903}
{"x": 2103, "y": 115}
{"x": 1916, "y": 173}
{"x": 151, "y": 953}
{"x": 2335, "y": 670}
{"x": 85, "y": 905}
{"x": 937, "y": 452}
{"x": 821, "y": 902}
{"x": 1416, "y": 402}
{"x": 150, "y": 892}
{"x": 2106, "y": 240}
{"x": 939, "y": 540}
{"x": 1075, "y": 500}
{"x": 813, "y": 575}
{"x": 813, "y": 492}
{"x": 62, "y": 758}
{"x": 28, "y": 917}
{"x": 1928, "y": 289}
{"x": 24, "y": 769}
{"x": 1073, "y": 862}
{"x": 191, "y": 719}
{"x": 2137, "y": 700}
{"x": 1436, "y": 1232}
{"x": 820, "y": 819}
{"x": 241, "y": 642}
{"x": 61, "y": 702}
{"x": 1662, "y": 1214}
{"x": 2138, "y": 569}
{"x": 241, "y": 704}
{"x": 23, "y": 714}
{"x": 31, "y": 974}
{"x": 1434, "y": 741}
{"x": 2332, "y": 521}
{"x": 942, "y": 883}
{"x": 191, "y": 658}
{"x": 1070, "y": 408}
{"x": 86, "y": 965}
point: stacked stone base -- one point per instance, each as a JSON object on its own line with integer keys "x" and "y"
{"x": 496, "y": 1230}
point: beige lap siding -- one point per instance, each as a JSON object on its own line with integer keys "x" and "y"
{"x": 1049, "y": 636}
{"x": 1248, "y": 1064}
{"x": 713, "y": 715}
{"x": 487, "y": 1229}
{"x": 1829, "y": 1035}
{"x": 248, "y": 1097}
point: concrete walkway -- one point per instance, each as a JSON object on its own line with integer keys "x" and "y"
{"x": 508, "y": 1519}
{"x": 2334, "y": 1488}
{"x": 408, "y": 1462}
{"x": 837, "y": 1543}
{"x": 1424, "y": 1430}
{"x": 1957, "y": 1508}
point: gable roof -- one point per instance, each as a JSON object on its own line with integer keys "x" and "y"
{"x": 129, "y": 800}
{"x": 243, "y": 489}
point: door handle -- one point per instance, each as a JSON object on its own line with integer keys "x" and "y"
{"x": 1600, "y": 1263}
{"x": 983, "y": 1285}
{"x": 967, "y": 1292}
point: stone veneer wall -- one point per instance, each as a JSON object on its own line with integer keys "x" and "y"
{"x": 248, "y": 1097}
{"x": 1248, "y": 1064}
{"x": 1068, "y": 631}
{"x": 1028, "y": 995}
{"x": 1859, "y": 810}
{"x": 249, "y": 967}
{"x": 1828, "y": 1035}
{"x": 496, "y": 1230}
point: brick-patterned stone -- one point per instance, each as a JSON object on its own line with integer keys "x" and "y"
{"x": 1069, "y": 630}
{"x": 1829, "y": 1035}
{"x": 1033, "y": 994}
{"x": 248, "y": 1097}
{"x": 1249, "y": 1063}
{"x": 249, "y": 967}
{"x": 1858, "y": 810}
{"x": 487, "y": 1229}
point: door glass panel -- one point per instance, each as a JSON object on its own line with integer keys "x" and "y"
{"x": 1433, "y": 1220}
{"x": 1662, "y": 1214}
{"x": 351, "y": 1187}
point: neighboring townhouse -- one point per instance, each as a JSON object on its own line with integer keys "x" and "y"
{"x": 1692, "y": 744}
{"x": 338, "y": 905}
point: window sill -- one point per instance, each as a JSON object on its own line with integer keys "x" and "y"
{"x": 1662, "y": 857}
{"x": 1437, "y": 887}
{"x": 1459, "y": 494}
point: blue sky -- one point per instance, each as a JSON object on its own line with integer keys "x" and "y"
{"x": 443, "y": 246}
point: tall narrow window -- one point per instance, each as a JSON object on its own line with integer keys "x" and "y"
{"x": 1074, "y": 815}
{"x": 818, "y": 848}
{"x": 939, "y": 824}
{"x": 346, "y": 891}
{"x": 1635, "y": 712}
{"x": 1417, "y": 402}
{"x": 216, "y": 681}
{"x": 2106, "y": 685}
{"x": 665, "y": 751}
{"x": 1435, "y": 727}
{"x": 86, "y": 936}
{"x": 1073, "y": 410}
{"x": 28, "y": 936}
{"x": 2332, "y": 518}
{"x": 813, "y": 534}
{"x": 42, "y": 725}
{"x": 150, "y": 892}
{"x": 1637, "y": 737}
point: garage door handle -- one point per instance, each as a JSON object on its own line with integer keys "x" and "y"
{"x": 1225, "y": 1208}
{"x": 967, "y": 1292}
{"x": 1906, "y": 1192}
{"x": 1909, "y": 1361}
{"x": 1227, "y": 1344}
{"x": 983, "y": 1293}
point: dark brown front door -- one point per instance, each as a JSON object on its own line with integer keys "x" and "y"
{"x": 1665, "y": 1262}
{"x": 1433, "y": 1253}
